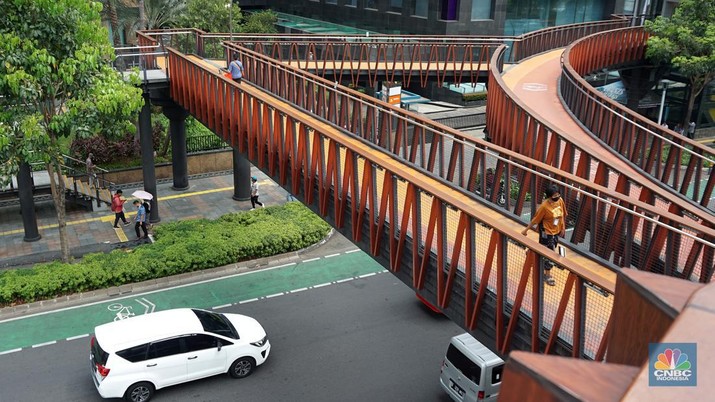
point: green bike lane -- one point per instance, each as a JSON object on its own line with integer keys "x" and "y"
{"x": 76, "y": 322}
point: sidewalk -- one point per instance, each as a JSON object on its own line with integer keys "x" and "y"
{"x": 207, "y": 197}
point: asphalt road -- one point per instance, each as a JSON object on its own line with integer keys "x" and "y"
{"x": 365, "y": 339}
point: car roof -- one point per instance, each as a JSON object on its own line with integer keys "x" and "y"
{"x": 133, "y": 331}
{"x": 467, "y": 344}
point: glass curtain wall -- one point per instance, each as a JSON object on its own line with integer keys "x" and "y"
{"x": 529, "y": 15}
{"x": 421, "y": 8}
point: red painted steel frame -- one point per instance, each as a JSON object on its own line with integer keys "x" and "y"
{"x": 333, "y": 186}
{"x": 640, "y": 140}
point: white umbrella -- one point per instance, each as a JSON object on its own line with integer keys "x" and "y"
{"x": 144, "y": 195}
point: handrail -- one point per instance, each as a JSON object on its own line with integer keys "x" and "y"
{"x": 656, "y": 150}
{"x": 508, "y": 122}
{"x": 272, "y": 75}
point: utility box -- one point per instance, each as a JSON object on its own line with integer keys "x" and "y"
{"x": 391, "y": 93}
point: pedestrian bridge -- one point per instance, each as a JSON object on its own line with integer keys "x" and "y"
{"x": 414, "y": 195}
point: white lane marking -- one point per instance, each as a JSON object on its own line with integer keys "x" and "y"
{"x": 297, "y": 290}
{"x": 321, "y": 285}
{"x": 312, "y": 259}
{"x": 248, "y": 301}
{"x": 222, "y": 306}
{"x": 331, "y": 255}
{"x": 72, "y": 338}
{"x": 11, "y": 351}
{"x": 146, "y": 293}
{"x": 345, "y": 280}
{"x": 39, "y": 345}
{"x": 273, "y": 295}
{"x": 352, "y": 251}
{"x": 370, "y": 274}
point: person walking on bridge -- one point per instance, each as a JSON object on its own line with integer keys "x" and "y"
{"x": 551, "y": 221}
{"x": 236, "y": 69}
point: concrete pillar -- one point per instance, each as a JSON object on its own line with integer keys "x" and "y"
{"x": 241, "y": 177}
{"x": 177, "y": 129}
{"x": 147, "y": 150}
{"x": 27, "y": 204}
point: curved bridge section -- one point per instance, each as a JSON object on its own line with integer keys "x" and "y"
{"x": 526, "y": 116}
{"x": 673, "y": 159}
{"x": 416, "y": 196}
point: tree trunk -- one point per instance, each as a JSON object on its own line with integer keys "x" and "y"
{"x": 142, "y": 15}
{"x": 165, "y": 145}
{"x": 114, "y": 23}
{"x": 691, "y": 106}
{"x": 57, "y": 185}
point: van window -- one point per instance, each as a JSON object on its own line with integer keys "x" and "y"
{"x": 200, "y": 342}
{"x": 165, "y": 348}
{"x": 496, "y": 374}
{"x": 135, "y": 354}
{"x": 99, "y": 355}
{"x": 216, "y": 323}
{"x": 468, "y": 368}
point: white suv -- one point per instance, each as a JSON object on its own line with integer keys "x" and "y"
{"x": 134, "y": 357}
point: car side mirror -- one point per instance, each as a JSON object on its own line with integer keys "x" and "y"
{"x": 219, "y": 345}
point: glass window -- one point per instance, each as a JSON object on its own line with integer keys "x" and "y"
{"x": 496, "y": 374}
{"x": 200, "y": 342}
{"x": 331, "y": 1}
{"x": 629, "y": 6}
{"x": 99, "y": 355}
{"x": 165, "y": 348}
{"x": 371, "y": 4}
{"x": 135, "y": 354}
{"x": 421, "y": 7}
{"x": 449, "y": 10}
{"x": 216, "y": 323}
{"x": 395, "y": 6}
{"x": 463, "y": 364}
{"x": 481, "y": 9}
{"x": 352, "y": 3}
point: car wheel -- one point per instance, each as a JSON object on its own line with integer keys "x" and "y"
{"x": 242, "y": 367}
{"x": 139, "y": 392}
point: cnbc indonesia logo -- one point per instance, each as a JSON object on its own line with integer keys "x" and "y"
{"x": 673, "y": 364}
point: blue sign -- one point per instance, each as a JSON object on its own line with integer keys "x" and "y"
{"x": 672, "y": 365}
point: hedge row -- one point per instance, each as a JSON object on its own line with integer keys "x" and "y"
{"x": 180, "y": 247}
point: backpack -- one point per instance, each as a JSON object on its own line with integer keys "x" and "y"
{"x": 147, "y": 208}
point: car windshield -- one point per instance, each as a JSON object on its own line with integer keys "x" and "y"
{"x": 216, "y": 323}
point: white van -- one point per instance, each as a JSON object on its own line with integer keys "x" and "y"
{"x": 470, "y": 371}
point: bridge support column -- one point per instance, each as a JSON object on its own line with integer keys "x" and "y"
{"x": 27, "y": 204}
{"x": 241, "y": 177}
{"x": 147, "y": 151}
{"x": 177, "y": 129}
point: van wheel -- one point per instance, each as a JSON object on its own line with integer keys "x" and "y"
{"x": 242, "y": 367}
{"x": 139, "y": 392}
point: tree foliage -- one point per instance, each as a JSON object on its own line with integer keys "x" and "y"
{"x": 260, "y": 22}
{"x": 211, "y": 16}
{"x": 56, "y": 80}
{"x": 687, "y": 42}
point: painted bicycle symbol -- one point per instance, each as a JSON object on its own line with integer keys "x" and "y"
{"x": 121, "y": 311}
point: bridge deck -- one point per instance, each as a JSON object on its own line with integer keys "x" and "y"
{"x": 585, "y": 267}
{"x": 535, "y": 82}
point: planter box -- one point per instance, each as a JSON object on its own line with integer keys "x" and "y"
{"x": 205, "y": 162}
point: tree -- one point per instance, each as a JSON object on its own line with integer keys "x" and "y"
{"x": 260, "y": 22}
{"x": 211, "y": 15}
{"x": 687, "y": 42}
{"x": 56, "y": 80}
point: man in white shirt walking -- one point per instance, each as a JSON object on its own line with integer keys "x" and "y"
{"x": 254, "y": 193}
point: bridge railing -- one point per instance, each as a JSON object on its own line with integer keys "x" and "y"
{"x": 439, "y": 240}
{"x": 671, "y": 158}
{"x": 514, "y": 125}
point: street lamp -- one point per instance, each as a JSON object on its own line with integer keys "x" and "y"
{"x": 230, "y": 19}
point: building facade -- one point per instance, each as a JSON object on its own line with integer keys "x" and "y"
{"x": 451, "y": 17}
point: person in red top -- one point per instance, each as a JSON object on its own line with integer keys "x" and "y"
{"x": 118, "y": 208}
{"x": 551, "y": 220}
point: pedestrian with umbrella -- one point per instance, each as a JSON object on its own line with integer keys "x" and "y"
{"x": 140, "y": 220}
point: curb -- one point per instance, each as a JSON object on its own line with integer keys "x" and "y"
{"x": 76, "y": 299}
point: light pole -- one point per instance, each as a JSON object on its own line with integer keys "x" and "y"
{"x": 230, "y": 19}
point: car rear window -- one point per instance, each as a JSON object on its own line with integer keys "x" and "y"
{"x": 135, "y": 354}
{"x": 99, "y": 355}
{"x": 216, "y": 323}
{"x": 496, "y": 374}
{"x": 462, "y": 363}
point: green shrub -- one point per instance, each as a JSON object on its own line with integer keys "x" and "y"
{"x": 180, "y": 247}
{"x": 474, "y": 96}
